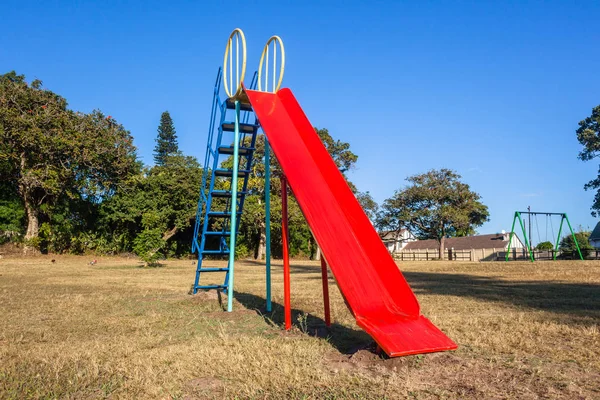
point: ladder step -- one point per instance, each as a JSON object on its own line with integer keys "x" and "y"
{"x": 222, "y": 214}
{"x": 213, "y": 269}
{"x": 226, "y": 193}
{"x": 229, "y": 172}
{"x": 243, "y": 151}
{"x": 244, "y": 128}
{"x": 211, "y": 287}
{"x": 215, "y": 252}
{"x": 217, "y": 233}
{"x": 243, "y": 106}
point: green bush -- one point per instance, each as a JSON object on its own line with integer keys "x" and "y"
{"x": 241, "y": 251}
{"x": 544, "y": 246}
{"x": 148, "y": 245}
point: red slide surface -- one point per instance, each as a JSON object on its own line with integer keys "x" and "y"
{"x": 374, "y": 288}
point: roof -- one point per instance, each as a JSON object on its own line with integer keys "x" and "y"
{"x": 595, "y": 235}
{"x": 495, "y": 240}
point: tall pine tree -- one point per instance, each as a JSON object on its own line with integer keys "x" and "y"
{"x": 166, "y": 141}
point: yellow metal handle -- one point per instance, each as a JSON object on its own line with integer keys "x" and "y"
{"x": 236, "y": 36}
{"x": 264, "y": 59}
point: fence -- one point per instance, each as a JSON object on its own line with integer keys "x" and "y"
{"x": 520, "y": 254}
{"x": 540, "y": 255}
{"x": 431, "y": 254}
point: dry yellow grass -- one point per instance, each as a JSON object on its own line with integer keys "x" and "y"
{"x": 115, "y": 330}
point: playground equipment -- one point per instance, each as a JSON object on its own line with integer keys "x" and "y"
{"x": 528, "y": 238}
{"x": 374, "y": 288}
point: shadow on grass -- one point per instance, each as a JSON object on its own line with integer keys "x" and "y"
{"x": 576, "y": 299}
{"x": 344, "y": 339}
{"x": 294, "y": 268}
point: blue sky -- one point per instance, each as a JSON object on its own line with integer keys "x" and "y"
{"x": 493, "y": 90}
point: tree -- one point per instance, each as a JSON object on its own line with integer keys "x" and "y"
{"x": 567, "y": 244}
{"x": 544, "y": 246}
{"x": 154, "y": 211}
{"x": 49, "y": 152}
{"x": 588, "y": 135}
{"x": 340, "y": 151}
{"x": 435, "y": 205}
{"x": 166, "y": 140}
{"x": 368, "y": 204}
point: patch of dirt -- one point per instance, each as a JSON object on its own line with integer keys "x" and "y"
{"x": 205, "y": 295}
{"x": 207, "y": 387}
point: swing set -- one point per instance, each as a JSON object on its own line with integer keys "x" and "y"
{"x": 528, "y": 238}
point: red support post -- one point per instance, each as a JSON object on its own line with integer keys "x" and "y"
{"x": 325, "y": 290}
{"x": 286, "y": 255}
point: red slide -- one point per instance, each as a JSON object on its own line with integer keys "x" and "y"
{"x": 373, "y": 286}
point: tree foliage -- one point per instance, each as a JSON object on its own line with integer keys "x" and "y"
{"x": 368, "y": 204}
{"x": 71, "y": 182}
{"x": 434, "y": 205}
{"x": 567, "y": 244}
{"x": 166, "y": 140}
{"x": 50, "y": 153}
{"x": 12, "y": 213}
{"x": 588, "y": 135}
{"x": 160, "y": 199}
{"x": 544, "y": 246}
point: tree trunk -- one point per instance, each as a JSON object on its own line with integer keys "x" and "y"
{"x": 262, "y": 242}
{"x": 33, "y": 225}
{"x": 318, "y": 254}
{"x": 442, "y": 243}
{"x": 169, "y": 234}
{"x": 33, "y": 222}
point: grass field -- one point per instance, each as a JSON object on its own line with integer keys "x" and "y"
{"x": 115, "y": 330}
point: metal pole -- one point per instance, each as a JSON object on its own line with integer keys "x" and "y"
{"x": 268, "y": 222}
{"x": 512, "y": 232}
{"x": 286, "y": 255}
{"x": 234, "y": 184}
{"x": 529, "y": 220}
{"x": 574, "y": 238}
{"x": 530, "y": 237}
{"x": 558, "y": 237}
{"x": 527, "y": 243}
{"x": 325, "y": 279}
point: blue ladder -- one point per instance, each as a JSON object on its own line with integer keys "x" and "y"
{"x": 213, "y": 214}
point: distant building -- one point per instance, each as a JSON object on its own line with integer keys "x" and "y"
{"x": 595, "y": 237}
{"x": 482, "y": 247}
{"x": 395, "y": 241}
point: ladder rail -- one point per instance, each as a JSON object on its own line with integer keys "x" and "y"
{"x": 202, "y": 198}
{"x": 206, "y": 198}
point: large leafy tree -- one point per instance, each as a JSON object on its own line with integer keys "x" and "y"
{"x": 434, "y": 205}
{"x": 166, "y": 140}
{"x": 154, "y": 211}
{"x": 588, "y": 135}
{"x": 49, "y": 152}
